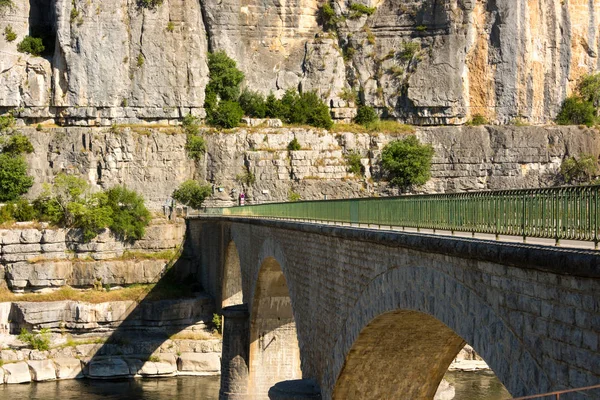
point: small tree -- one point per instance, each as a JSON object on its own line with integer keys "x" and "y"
{"x": 579, "y": 170}
{"x": 273, "y": 107}
{"x": 576, "y": 111}
{"x": 228, "y": 114}
{"x": 195, "y": 147}
{"x": 192, "y": 194}
{"x": 354, "y": 165}
{"x": 407, "y": 162}
{"x": 130, "y": 217}
{"x": 224, "y": 80}
{"x": 253, "y": 104}
{"x": 589, "y": 89}
{"x": 294, "y": 145}
{"x": 31, "y": 45}
{"x": 18, "y": 144}
{"x": 14, "y": 180}
{"x": 366, "y": 115}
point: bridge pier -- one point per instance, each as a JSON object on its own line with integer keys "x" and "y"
{"x": 234, "y": 361}
{"x": 298, "y": 389}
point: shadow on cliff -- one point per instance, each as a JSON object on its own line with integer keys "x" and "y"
{"x": 176, "y": 302}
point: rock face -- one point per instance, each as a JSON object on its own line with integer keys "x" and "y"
{"x": 425, "y": 61}
{"x": 154, "y": 162}
{"x": 40, "y": 258}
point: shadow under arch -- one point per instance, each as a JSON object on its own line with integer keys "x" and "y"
{"x": 231, "y": 289}
{"x": 412, "y": 299}
{"x": 274, "y": 352}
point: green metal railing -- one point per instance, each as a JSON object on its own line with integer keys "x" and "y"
{"x": 570, "y": 213}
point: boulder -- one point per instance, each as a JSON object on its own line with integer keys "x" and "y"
{"x": 16, "y": 373}
{"x": 68, "y": 368}
{"x": 107, "y": 368}
{"x": 42, "y": 370}
{"x": 199, "y": 363}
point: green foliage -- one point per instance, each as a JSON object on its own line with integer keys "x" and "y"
{"x": 18, "y": 144}
{"x": 407, "y": 162}
{"x": 23, "y": 211}
{"x": 192, "y": 194}
{"x": 305, "y": 108}
{"x": 191, "y": 125}
{"x": 353, "y": 162}
{"x": 478, "y": 120}
{"x": 366, "y": 115}
{"x": 228, "y": 114}
{"x": 217, "y": 321}
{"x": 6, "y": 213}
{"x": 93, "y": 216}
{"x": 273, "y": 107}
{"x": 247, "y": 178}
{"x": 348, "y": 95}
{"x": 421, "y": 28}
{"x": 580, "y": 170}
{"x": 253, "y": 104}
{"x": 576, "y": 111}
{"x": 140, "y": 60}
{"x": 7, "y": 122}
{"x": 6, "y": 5}
{"x": 589, "y": 89}
{"x": 170, "y": 27}
{"x": 14, "y": 180}
{"x": 327, "y": 17}
{"x": 149, "y": 4}
{"x": 9, "y": 34}
{"x": 130, "y": 217}
{"x": 37, "y": 341}
{"x": 358, "y": 10}
{"x": 293, "y": 196}
{"x": 294, "y": 145}
{"x": 195, "y": 147}
{"x": 409, "y": 51}
{"x": 224, "y": 80}
{"x": 31, "y": 45}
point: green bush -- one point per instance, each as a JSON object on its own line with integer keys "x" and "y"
{"x": 589, "y": 88}
{"x": 191, "y": 125}
{"x": 228, "y": 114}
{"x": 7, "y": 122}
{"x": 327, "y": 17}
{"x": 407, "y": 162}
{"x": 130, "y": 217}
{"x": 195, "y": 147}
{"x": 477, "y": 120}
{"x": 18, "y": 144}
{"x": 580, "y": 170}
{"x": 247, "y": 178}
{"x": 273, "y": 107}
{"x": 192, "y": 194}
{"x": 23, "y": 211}
{"x": 576, "y": 111}
{"x": 360, "y": 9}
{"x": 224, "y": 80}
{"x": 305, "y": 108}
{"x": 37, "y": 341}
{"x": 93, "y": 216}
{"x": 354, "y": 165}
{"x": 409, "y": 51}
{"x": 366, "y": 115}
{"x": 14, "y": 180}
{"x": 6, "y": 5}
{"x": 31, "y": 45}
{"x": 294, "y": 196}
{"x": 294, "y": 145}
{"x": 9, "y": 34}
{"x": 253, "y": 104}
{"x": 150, "y": 4}
{"x": 6, "y": 213}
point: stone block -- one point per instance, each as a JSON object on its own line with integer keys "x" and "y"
{"x": 21, "y": 248}
{"x": 29, "y": 236}
{"x": 53, "y": 236}
{"x": 42, "y": 370}
{"x": 9, "y": 236}
{"x": 107, "y": 368}
{"x": 157, "y": 368}
{"x": 208, "y": 363}
{"x": 16, "y": 373}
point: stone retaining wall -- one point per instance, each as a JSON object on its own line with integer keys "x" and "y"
{"x": 35, "y": 258}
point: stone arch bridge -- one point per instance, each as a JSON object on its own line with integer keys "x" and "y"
{"x": 367, "y": 314}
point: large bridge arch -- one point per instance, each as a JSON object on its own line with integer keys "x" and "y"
{"x": 418, "y": 301}
{"x": 274, "y": 352}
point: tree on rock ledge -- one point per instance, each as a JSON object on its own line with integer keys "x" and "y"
{"x": 407, "y": 162}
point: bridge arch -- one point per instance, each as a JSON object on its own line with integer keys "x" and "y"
{"x": 231, "y": 289}
{"x": 437, "y": 314}
{"x": 274, "y": 352}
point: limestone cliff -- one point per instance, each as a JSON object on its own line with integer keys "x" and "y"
{"x": 154, "y": 162}
{"x": 423, "y": 61}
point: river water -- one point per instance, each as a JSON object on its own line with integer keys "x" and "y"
{"x": 469, "y": 386}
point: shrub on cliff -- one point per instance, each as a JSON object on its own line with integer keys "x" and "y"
{"x": 31, "y": 45}
{"x": 576, "y": 111}
{"x": 224, "y": 80}
{"x": 130, "y": 217}
{"x": 228, "y": 114}
{"x": 9, "y": 34}
{"x": 192, "y": 194}
{"x": 195, "y": 147}
{"x": 253, "y": 104}
{"x": 589, "y": 89}
{"x": 305, "y": 109}
{"x": 366, "y": 115}
{"x": 14, "y": 180}
{"x": 150, "y": 4}
{"x": 6, "y": 5}
{"x": 37, "y": 341}
{"x": 407, "y": 162}
{"x": 579, "y": 170}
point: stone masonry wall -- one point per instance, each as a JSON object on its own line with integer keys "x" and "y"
{"x": 154, "y": 163}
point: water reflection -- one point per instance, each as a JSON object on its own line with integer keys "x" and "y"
{"x": 477, "y": 386}
{"x": 179, "y": 388}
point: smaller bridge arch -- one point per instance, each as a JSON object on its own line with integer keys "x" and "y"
{"x": 274, "y": 352}
{"x": 231, "y": 289}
